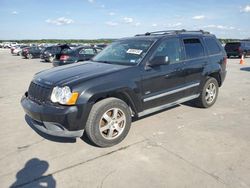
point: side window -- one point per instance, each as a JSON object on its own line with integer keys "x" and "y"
{"x": 171, "y": 48}
{"x": 212, "y": 46}
{"x": 193, "y": 48}
{"x": 87, "y": 51}
{"x": 247, "y": 44}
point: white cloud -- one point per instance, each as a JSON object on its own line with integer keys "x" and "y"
{"x": 60, "y": 21}
{"x": 111, "y": 13}
{"x": 128, "y": 20}
{"x": 111, "y": 23}
{"x": 154, "y": 25}
{"x": 171, "y": 25}
{"x": 137, "y": 24}
{"x": 222, "y": 27}
{"x": 199, "y": 17}
{"x": 14, "y": 12}
{"x": 91, "y": 1}
{"x": 246, "y": 8}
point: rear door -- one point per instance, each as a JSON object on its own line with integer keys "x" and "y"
{"x": 195, "y": 62}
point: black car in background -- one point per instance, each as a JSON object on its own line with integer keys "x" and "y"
{"x": 53, "y": 52}
{"x": 238, "y": 48}
{"x": 69, "y": 56}
{"x": 31, "y": 52}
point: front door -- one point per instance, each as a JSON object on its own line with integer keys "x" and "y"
{"x": 165, "y": 83}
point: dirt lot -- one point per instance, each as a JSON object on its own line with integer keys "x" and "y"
{"x": 181, "y": 147}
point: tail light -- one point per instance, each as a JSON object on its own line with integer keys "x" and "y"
{"x": 64, "y": 57}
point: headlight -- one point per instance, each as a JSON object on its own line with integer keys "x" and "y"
{"x": 63, "y": 95}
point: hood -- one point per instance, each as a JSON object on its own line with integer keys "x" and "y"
{"x": 75, "y": 72}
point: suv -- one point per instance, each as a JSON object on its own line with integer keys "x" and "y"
{"x": 241, "y": 48}
{"x": 69, "y": 56}
{"x": 132, "y": 77}
{"x": 31, "y": 52}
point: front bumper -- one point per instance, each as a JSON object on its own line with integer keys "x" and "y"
{"x": 61, "y": 121}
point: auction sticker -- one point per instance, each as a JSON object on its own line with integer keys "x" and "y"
{"x": 134, "y": 51}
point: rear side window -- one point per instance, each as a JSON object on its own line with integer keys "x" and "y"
{"x": 87, "y": 51}
{"x": 212, "y": 46}
{"x": 232, "y": 46}
{"x": 193, "y": 48}
{"x": 247, "y": 44}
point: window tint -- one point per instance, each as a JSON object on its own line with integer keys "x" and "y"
{"x": 87, "y": 51}
{"x": 170, "y": 48}
{"x": 212, "y": 46}
{"x": 193, "y": 48}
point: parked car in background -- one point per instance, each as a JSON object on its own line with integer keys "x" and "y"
{"x": 69, "y": 56}
{"x": 31, "y": 52}
{"x": 238, "y": 49}
{"x": 51, "y": 53}
{"x": 101, "y": 46}
{"x": 18, "y": 50}
{"x": 132, "y": 77}
{"x": 9, "y": 44}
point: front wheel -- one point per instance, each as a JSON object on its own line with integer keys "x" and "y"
{"x": 109, "y": 122}
{"x": 51, "y": 59}
{"x": 208, "y": 94}
{"x": 29, "y": 56}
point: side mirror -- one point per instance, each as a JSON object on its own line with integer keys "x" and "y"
{"x": 158, "y": 60}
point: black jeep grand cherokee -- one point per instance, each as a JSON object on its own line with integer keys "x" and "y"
{"x": 132, "y": 77}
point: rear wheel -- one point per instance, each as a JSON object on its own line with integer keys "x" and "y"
{"x": 209, "y": 93}
{"x": 244, "y": 54}
{"x": 109, "y": 122}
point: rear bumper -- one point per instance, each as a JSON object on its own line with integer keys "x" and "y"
{"x": 223, "y": 76}
{"x": 60, "y": 121}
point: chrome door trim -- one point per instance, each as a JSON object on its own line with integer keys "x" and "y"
{"x": 162, "y": 107}
{"x": 171, "y": 92}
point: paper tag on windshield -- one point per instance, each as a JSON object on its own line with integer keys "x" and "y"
{"x": 134, "y": 51}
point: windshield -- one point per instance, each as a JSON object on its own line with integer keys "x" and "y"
{"x": 129, "y": 52}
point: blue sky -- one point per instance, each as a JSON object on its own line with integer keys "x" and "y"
{"x": 91, "y": 19}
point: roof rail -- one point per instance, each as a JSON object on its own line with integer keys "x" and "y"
{"x": 172, "y": 32}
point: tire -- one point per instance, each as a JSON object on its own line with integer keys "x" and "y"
{"x": 51, "y": 59}
{"x": 245, "y": 54}
{"x": 102, "y": 115}
{"x": 206, "y": 99}
{"x": 228, "y": 56}
{"x": 29, "y": 56}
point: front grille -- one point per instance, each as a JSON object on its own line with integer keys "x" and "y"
{"x": 39, "y": 93}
